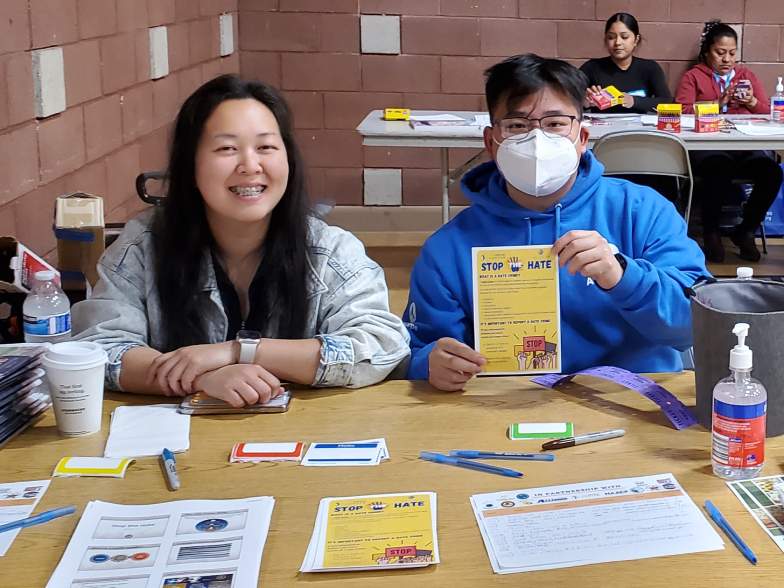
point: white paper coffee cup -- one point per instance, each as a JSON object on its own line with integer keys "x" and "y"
{"x": 75, "y": 371}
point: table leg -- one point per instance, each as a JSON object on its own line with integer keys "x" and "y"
{"x": 444, "y": 185}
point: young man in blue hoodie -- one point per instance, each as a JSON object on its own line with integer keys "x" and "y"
{"x": 624, "y": 254}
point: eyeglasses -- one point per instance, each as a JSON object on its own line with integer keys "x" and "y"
{"x": 555, "y": 125}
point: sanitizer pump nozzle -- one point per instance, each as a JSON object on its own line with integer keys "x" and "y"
{"x": 740, "y": 355}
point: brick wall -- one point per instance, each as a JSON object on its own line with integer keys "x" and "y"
{"x": 312, "y": 50}
{"x": 114, "y": 118}
{"x": 112, "y": 114}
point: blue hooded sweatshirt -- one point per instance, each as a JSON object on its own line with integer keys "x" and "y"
{"x": 639, "y": 324}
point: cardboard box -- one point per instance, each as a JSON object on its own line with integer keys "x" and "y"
{"x": 17, "y": 274}
{"x": 397, "y": 114}
{"x": 608, "y": 97}
{"x": 669, "y": 117}
{"x": 79, "y": 229}
{"x": 706, "y": 117}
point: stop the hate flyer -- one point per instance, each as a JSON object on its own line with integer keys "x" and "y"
{"x": 517, "y": 309}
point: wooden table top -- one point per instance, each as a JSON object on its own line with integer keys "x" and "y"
{"x": 412, "y": 417}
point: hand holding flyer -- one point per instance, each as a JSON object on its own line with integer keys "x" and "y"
{"x": 517, "y": 317}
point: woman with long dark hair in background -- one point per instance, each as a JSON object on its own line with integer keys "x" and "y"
{"x": 717, "y": 77}
{"x": 641, "y": 80}
{"x": 232, "y": 286}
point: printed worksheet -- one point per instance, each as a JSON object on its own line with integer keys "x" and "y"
{"x": 517, "y": 310}
{"x": 593, "y": 522}
{"x": 761, "y": 498}
{"x": 17, "y": 501}
{"x": 205, "y": 543}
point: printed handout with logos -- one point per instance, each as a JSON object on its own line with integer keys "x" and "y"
{"x": 173, "y": 544}
{"x": 517, "y": 309}
{"x": 591, "y": 522}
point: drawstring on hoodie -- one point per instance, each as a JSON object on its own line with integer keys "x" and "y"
{"x": 530, "y": 229}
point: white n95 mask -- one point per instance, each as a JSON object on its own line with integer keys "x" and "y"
{"x": 537, "y": 164}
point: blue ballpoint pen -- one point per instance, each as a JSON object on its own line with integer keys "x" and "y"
{"x": 475, "y": 454}
{"x": 719, "y": 519}
{"x": 44, "y": 517}
{"x": 466, "y": 463}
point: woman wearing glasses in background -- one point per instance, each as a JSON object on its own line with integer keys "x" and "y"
{"x": 718, "y": 77}
{"x": 641, "y": 80}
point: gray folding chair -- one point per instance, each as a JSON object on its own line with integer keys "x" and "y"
{"x": 641, "y": 152}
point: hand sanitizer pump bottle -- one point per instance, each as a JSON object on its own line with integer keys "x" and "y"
{"x": 739, "y": 408}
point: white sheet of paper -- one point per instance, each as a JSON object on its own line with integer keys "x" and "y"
{"x": 143, "y": 431}
{"x": 760, "y": 130}
{"x": 347, "y": 453}
{"x": 482, "y": 120}
{"x": 17, "y": 501}
{"x": 435, "y": 117}
{"x": 593, "y": 522}
{"x": 123, "y": 545}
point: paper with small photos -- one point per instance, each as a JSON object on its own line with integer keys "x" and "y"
{"x": 182, "y": 543}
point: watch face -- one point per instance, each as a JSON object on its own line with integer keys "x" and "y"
{"x": 248, "y": 335}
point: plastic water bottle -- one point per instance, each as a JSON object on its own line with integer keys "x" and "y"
{"x": 744, "y": 273}
{"x": 739, "y": 409}
{"x": 777, "y": 104}
{"x": 47, "y": 311}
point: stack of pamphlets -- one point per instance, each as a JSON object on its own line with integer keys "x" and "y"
{"x": 183, "y": 543}
{"x": 376, "y": 532}
{"x": 367, "y": 452}
{"x": 23, "y": 394}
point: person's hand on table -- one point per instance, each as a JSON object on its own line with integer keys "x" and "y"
{"x": 452, "y": 363}
{"x": 589, "y": 254}
{"x": 239, "y": 385}
{"x": 591, "y": 93}
{"x": 628, "y": 101}
{"x": 175, "y": 371}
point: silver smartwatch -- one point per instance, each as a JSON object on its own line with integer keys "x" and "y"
{"x": 249, "y": 342}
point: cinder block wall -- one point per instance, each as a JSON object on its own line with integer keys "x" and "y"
{"x": 101, "y": 118}
{"x": 105, "y": 109}
{"x": 315, "y": 51}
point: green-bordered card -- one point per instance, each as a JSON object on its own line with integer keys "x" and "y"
{"x": 540, "y": 430}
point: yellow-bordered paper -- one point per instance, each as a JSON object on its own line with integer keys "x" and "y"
{"x": 380, "y": 531}
{"x": 109, "y": 467}
{"x": 517, "y": 309}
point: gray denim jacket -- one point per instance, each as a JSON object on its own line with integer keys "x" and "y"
{"x": 348, "y": 306}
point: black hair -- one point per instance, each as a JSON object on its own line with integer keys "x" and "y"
{"x": 625, "y": 18}
{"x": 182, "y": 237}
{"x": 712, "y": 32}
{"x": 519, "y": 76}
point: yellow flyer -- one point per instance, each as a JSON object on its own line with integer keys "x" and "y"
{"x": 517, "y": 309}
{"x": 385, "y": 530}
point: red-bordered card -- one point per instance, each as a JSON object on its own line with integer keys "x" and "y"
{"x": 243, "y": 452}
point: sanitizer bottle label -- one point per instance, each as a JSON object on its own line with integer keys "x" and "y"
{"x": 739, "y": 434}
